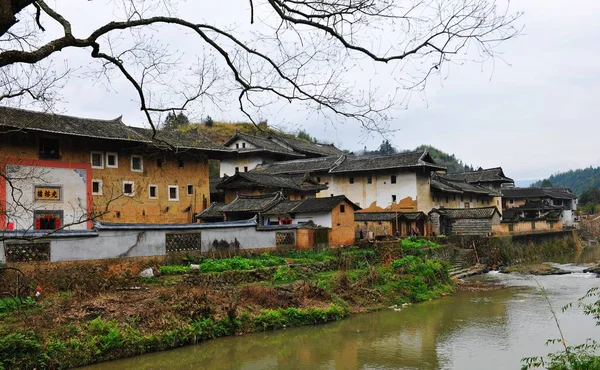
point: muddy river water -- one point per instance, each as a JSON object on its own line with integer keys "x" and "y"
{"x": 469, "y": 330}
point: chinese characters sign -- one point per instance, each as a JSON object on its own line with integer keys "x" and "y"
{"x": 47, "y": 192}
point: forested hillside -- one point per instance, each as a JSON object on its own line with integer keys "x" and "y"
{"x": 577, "y": 180}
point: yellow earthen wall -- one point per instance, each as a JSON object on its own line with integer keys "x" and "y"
{"x": 342, "y": 226}
{"x": 526, "y": 227}
{"x": 133, "y": 209}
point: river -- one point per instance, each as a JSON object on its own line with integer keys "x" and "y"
{"x": 469, "y": 330}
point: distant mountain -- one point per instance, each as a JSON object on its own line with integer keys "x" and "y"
{"x": 577, "y": 180}
{"x": 444, "y": 159}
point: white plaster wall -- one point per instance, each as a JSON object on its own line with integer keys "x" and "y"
{"x": 73, "y": 200}
{"x": 138, "y": 243}
{"x": 321, "y": 219}
{"x": 567, "y": 217}
{"x": 380, "y": 191}
{"x": 248, "y": 237}
{"x": 109, "y": 244}
{"x": 228, "y": 165}
{"x": 241, "y": 142}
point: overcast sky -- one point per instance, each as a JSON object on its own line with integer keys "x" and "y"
{"x": 534, "y": 115}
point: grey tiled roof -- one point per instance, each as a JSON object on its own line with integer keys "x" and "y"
{"x": 325, "y": 204}
{"x": 253, "y": 179}
{"x": 538, "y": 206}
{"x": 387, "y": 216}
{"x": 444, "y": 184}
{"x": 311, "y": 165}
{"x": 282, "y": 208}
{"x": 67, "y": 125}
{"x": 215, "y": 210}
{"x": 213, "y": 182}
{"x": 482, "y": 175}
{"x": 253, "y": 203}
{"x": 555, "y": 193}
{"x": 381, "y": 162}
{"x": 261, "y": 144}
{"x": 375, "y": 216}
{"x": 470, "y": 213}
{"x": 351, "y": 163}
{"x": 305, "y": 147}
{"x": 309, "y": 205}
{"x": 113, "y": 129}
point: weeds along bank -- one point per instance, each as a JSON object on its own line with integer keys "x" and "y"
{"x": 107, "y": 312}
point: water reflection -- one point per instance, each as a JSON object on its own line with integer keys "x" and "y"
{"x": 485, "y": 330}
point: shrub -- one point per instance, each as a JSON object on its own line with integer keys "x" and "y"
{"x": 21, "y": 351}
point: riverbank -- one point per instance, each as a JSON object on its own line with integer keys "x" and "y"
{"x": 103, "y": 318}
{"x": 98, "y": 311}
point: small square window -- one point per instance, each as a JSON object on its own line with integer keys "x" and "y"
{"x": 245, "y": 168}
{"x": 351, "y": 180}
{"x": 49, "y": 148}
{"x": 243, "y": 145}
{"x": 237, "y": 145}
{"x": 137, "y": 163}
{"x": 153, "y": 192}
{"x": 128, "y": 189}
{"x": 342, "y": 208}
{"x": 112, "y": 160}
{"x": 318, "y": 179}
{"x": 173, "y": 192}
{"x": 96, "y": 187}
{"x": 97, "y": 159}
{"x": 369, "y": 179}
{"x": 511, "y": 201}
{"x": 160, "y": 161}
{"x": 190, "y": 189}
{"x": 180, "y": 163}
{"x": 393, "y": 179}
{"x": 467, "y": 205}
{"x": 394, "y": 198}
{"x": 237, "y": 169}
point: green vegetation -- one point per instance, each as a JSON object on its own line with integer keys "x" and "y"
{"x": 175, "y": 121}
{"x": 84, "y": 326}
{"x": 447, "y": 160}
{"x": 248, "y": 263}
{"x": 578, "y": 180}
{"x": 100, "y": 340}
{"x": 417, "y": 243}
{"x": 589, "y": 201}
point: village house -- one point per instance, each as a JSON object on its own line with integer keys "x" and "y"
{"x": 527, "y": 199}
{"x": 293, "y": 187}
{"x": 334, "y": 213}
{"x": 63, "y": 171}
{"x": 492, "y": 179}
{"x": 449, "y": 193}
{"x": 380, "y": 225}
{"x": 376, "y": 182}
{"x": 530, "y": 217}
{"x": 465, "y": 221}
{"x": 249, "y": 151}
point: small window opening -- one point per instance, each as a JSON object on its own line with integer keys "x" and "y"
{"x": 49, "y": 148}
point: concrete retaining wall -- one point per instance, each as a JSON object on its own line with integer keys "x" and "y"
{"x": 116, "y": 241}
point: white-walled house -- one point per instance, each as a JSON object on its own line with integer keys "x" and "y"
{"x": 250, "y": 151}
{"x": 401, "y": 179}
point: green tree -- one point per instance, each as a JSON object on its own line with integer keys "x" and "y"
{"x": 386, "y": 148}
{"x": 175, "y": 121}
{"x": 546, "y": 183}
{"x": 208, "y": 121}
{"x": 305, "y": 136}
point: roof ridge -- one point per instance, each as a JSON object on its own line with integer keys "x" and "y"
{"x": 117, "y": 119}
